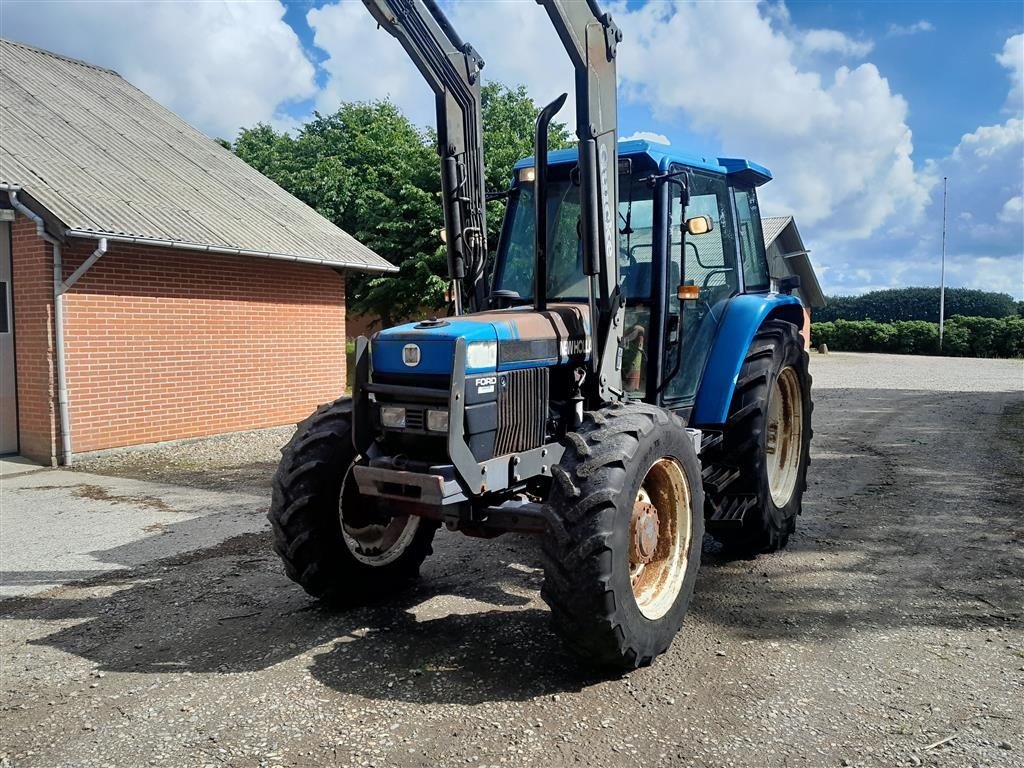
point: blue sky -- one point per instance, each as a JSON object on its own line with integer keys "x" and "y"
{"x": 859, "y": 109}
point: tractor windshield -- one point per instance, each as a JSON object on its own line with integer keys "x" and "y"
{"x": 566, "y": 281}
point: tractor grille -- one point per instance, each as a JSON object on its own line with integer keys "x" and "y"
{"x": 522, "y": 410}
{"x": 414, "y": 418}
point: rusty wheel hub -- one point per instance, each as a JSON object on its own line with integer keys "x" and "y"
{"x": 645, "y": 529}
{"x": 659, "y": 538}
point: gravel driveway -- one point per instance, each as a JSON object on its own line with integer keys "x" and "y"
{"x": 889, "y": 633}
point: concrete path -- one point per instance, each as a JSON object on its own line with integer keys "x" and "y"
{"x": 58, "y": 526}
{"x": 17, "y": 465}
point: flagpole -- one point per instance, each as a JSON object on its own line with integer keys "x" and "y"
{"x": 942, "y": 268}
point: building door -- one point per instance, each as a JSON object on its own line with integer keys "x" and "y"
{"x": 8, "y": 393}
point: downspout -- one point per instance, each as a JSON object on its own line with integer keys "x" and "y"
{"x": 60, "y": 287}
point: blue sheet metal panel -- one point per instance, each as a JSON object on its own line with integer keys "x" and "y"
{"x": 743, "y": 317}
{"x": 745, "y": 172}
{"x": 437, "y": 345}
{"x": 511, "y": 326}
{"x": 454, "y": 327}
{"x": 435, "y": 356}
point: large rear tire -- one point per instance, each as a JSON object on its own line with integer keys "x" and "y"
{"x": 619, "y": 577}
{"x": 755, "y": 479}
{"x": 341, "y": 547}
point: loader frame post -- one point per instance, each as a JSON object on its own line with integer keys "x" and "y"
{"x": 590, "y": 38}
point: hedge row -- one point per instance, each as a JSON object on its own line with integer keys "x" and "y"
{"x": 892, "y": 304}
{"x": 962, "y": 336}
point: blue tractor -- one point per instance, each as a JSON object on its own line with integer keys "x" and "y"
{"x": 621, "y": 378}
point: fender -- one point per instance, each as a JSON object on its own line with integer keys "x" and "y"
{"x": 744, "y": 315}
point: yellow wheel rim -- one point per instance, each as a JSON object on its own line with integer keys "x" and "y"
{"x": 784, "y": 436}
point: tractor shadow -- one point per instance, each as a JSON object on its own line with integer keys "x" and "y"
{"x": 473, "y": 629}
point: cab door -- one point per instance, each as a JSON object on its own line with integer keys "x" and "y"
{"x": 709, "y": 262}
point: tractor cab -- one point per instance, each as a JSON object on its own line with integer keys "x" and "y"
{"x": 671, "y": 280}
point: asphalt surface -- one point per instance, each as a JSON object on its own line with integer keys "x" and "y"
{"x": 889, "y": 633}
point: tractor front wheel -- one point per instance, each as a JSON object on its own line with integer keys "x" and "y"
{"x": 340, "y": 546}
{"x": 620, "y": 569}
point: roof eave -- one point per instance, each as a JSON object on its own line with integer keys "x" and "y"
{"x": 229, "y": 251}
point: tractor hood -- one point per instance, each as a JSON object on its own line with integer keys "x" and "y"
{"x": 510, "y": 339}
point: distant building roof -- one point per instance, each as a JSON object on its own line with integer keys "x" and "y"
{"x": 795, "y": 254}
{"x": 773, "y": 226}
{"x": 104, "y": 159}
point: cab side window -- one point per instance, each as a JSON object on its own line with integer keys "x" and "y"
{"x": 708, "y": 260}
{"x": 748, "y": 227}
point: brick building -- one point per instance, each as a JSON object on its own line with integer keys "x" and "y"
{"x": 152, "y": 285}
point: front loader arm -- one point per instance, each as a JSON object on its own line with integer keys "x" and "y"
{"x": 590, "y": 37}
{"x": 452, "y": 69}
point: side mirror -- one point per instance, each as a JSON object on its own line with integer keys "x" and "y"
{"x": 699, "y": 225}
{"x": 789, "y": 283}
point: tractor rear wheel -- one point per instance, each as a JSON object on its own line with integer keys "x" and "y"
{"x": 340, "y": 546}
{"x": 755, "y": 479}
{"x": 620, "y": 569}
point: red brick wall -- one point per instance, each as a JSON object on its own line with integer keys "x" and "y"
{"x": 164, "y": 344}
{"x": 32, "y": 294}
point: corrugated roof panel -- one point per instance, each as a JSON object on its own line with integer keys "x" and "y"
{"x": 772, "y": 227}
{"x": 11, "y": 168}
{"x": 103, "y": 157}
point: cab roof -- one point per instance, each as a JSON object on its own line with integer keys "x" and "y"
{"x": 743, "y": 171}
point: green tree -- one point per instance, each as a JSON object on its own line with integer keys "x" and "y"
{"x": 509, "y": 115}
{"x": 369, "y": 170}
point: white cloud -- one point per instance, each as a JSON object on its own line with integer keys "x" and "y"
{"x": 1012, "y": 57}
{"x": 834, "y": 41}
{"x": 520, "y": 47}
{"x": 366, "y": 63}
{"x": 987, "y": 273}
{"x": 989, "y": 140}
{"x": 838, "y": 143}
{"x": 221, "y": 65}
{"x": 984, "y": 244}
{"x": 903, "y": 30}
{"x": 656, "y": 138}
{"x": 1012, "y": 211}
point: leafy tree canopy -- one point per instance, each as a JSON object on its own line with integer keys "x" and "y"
{"x": 369, "y": 170}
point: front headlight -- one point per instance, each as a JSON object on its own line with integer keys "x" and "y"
{"x": 392, "y": 417}
{"x": 482, "y": 354}
{"x": 437, "y": 421}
